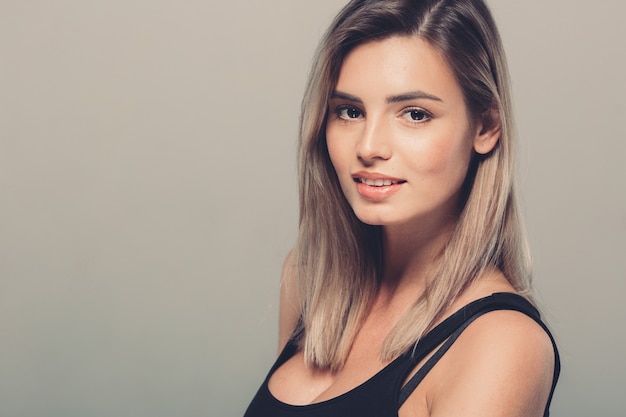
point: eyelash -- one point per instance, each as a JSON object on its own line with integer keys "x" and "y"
{"x": 426, "y": 115}
{"x": 339, "y": 110}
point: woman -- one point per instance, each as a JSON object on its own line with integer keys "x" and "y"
{"x": 409, "y": 228}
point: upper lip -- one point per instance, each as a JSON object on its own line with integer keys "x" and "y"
{"x": 376, "y": 176}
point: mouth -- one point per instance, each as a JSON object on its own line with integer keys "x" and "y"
{"x": 380, "y": 182}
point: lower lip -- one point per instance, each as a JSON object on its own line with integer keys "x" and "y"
{"x": 374, "y": 193}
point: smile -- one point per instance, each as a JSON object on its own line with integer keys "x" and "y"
{"x": 377, "y": 182}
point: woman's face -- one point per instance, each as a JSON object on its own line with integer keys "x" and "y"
{"x": 399, "y": 134}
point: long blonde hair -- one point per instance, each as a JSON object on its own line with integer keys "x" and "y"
{"x": 338, "y": 259}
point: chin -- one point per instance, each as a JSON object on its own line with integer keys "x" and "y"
{"x": 377, "y": 219}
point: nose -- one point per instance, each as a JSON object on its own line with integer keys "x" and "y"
{"x": 374, "y": 143}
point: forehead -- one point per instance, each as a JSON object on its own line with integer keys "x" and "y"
{"x": 397, "y": 65}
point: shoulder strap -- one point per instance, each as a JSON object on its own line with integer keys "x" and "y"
{"x": 415, "y": 380}
{"x": 450, "y": 329}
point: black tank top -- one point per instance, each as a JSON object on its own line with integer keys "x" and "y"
{"x": 383, "y": 394}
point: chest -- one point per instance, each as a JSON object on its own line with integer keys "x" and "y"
{"x": 356, "y": 391}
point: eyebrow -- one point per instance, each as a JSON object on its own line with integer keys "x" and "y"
{"x": 345, "y": 96}
{"x": 412, "y": 95}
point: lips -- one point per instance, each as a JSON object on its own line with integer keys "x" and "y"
{"x": 376, "y": 179}
{"x": 376, "y": 186}
{"x": 381, "y": 182}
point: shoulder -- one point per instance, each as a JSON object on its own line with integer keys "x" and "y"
{"x": 501, "y": 365}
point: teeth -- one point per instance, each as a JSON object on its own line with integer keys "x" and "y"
{"x": 377, "y": 183}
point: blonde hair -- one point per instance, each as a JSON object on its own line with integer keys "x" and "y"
{"x": 338, "y": 259}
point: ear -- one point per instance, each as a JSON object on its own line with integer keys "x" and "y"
{"x": 488, "y": 131}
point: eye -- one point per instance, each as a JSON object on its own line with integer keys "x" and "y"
{"x": 416, "y": 115}
{"x": 348, "y": 113}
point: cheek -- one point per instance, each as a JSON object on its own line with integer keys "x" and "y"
{"x": 446, "y": 160}
{"x": 336, "y": 152}
{"x": 340, "y": 154}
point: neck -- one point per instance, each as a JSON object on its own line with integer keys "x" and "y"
{"x": 410, "y": 254}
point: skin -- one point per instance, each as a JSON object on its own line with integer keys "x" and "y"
{"x": 398, "y": 112}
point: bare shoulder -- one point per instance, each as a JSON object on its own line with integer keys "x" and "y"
{"x": 289, "y": 310}
{"x": 501, "y": 365}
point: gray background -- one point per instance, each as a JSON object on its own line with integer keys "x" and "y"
{"x": 148, "y": 196}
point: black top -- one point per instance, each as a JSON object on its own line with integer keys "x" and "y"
{"x": 383, "y": 394}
